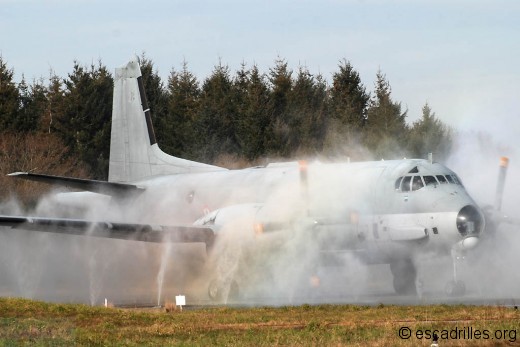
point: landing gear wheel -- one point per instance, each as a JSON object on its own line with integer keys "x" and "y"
{"x": 404, "y": 287}
{"x": 405, "y": 275}
{"x": 455, "y": 288}
{"x": 216, "y": 290}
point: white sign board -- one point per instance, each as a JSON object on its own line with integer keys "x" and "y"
{"x": 180, "y": 300}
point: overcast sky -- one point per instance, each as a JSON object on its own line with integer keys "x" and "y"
{"x": 462, "y": 57}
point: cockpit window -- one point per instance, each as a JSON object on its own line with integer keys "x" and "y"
{"x": 398, "y": 183}
{"x": 407, "y": 183}
{"x": 441, "y": 179}
{"x": 457, "y": 179}
{"x": 417, "y": 183}
{"x": 430, "y": 180}
{"x": 405, "y": 186}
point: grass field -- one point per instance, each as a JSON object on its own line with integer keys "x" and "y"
{"x": 33, "y": 323}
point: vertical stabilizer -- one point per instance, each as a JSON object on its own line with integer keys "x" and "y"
{"x": 134, "y": 153}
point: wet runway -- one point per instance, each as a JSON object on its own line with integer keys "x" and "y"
{"x": 376, "y": 288}
{"x": 70, "y": 269}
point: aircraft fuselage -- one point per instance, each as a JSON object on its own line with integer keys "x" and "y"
{"x": 383, "y": 208}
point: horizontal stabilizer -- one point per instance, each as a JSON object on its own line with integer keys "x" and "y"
{"x": 102, "y": 187}
{"x": 124, "y": 231}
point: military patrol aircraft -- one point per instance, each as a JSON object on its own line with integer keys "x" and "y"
{"x": 383, "y": 212}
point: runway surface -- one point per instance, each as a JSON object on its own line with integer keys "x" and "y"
{"x": 70, "y": 269}
{"x": 376, "y": 289}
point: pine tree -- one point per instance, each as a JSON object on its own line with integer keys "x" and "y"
{"x": 349, "y": 99}
{"x": 183, "y": 106}
{"x": 348, "y": 108}
{"x": 281, "y": 84}
{"x": 56, "y": 105}
{"x": 9, "y": 97}
{"x": 252, "y": 98}
{"x": 319, "y": 120}
{"x": 386, "y": 130}
{"x": 217, "y": 116}
{"x": 429, "y": 135}
{"x": 306, "y": 113}
{"x": 84, "y": 125}
{"x": 33, "y": 104}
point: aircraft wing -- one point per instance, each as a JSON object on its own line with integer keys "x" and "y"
{"x": 125, "y": 231}
{"x": 102, "y": 187}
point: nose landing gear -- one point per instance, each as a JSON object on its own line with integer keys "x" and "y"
{"x": 455, "y": 287}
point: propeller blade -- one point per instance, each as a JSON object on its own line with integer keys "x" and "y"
{"x": 504, "y": 162}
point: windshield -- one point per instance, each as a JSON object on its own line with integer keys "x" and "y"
{"x": 416, "y": 182}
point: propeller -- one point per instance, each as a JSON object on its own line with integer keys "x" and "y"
{"x": 504, "y": 163}
{"x": 493, "y": 214}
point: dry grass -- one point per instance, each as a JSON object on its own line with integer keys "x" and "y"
{"x": 25, "y": 322}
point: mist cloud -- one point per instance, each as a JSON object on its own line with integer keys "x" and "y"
{"x": 287, "y": 271}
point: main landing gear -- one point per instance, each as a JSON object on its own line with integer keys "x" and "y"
{"x": 405, "y": 276}
{"x": 219, "y": 290}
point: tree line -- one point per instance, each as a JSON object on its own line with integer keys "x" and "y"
{"x": 242, "y": 117}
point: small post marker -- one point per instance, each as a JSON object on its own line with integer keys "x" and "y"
{"x": 180, "y": 300}
{"x": 106, "y": 302}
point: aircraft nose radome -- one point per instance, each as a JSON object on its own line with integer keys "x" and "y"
{"x": 470, "y": 221}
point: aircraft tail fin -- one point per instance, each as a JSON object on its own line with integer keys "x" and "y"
{"x": 134, "y": 153}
